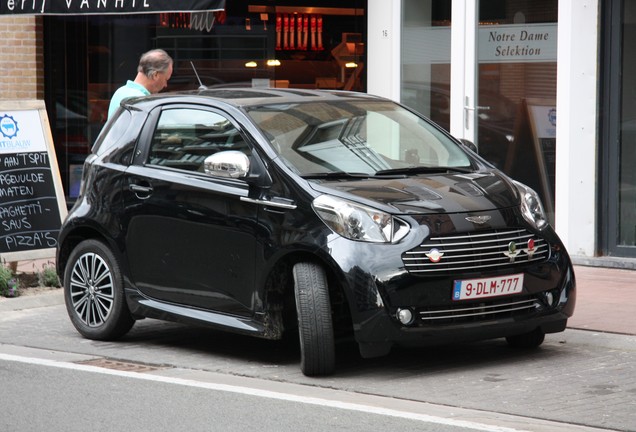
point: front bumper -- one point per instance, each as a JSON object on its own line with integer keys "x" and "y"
{"x": 380, "y": 285}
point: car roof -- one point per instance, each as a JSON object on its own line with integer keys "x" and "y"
{"x": 246, "y": 97}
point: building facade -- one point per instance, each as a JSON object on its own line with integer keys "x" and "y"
{"x": 493, "y": 72}
{"x": 22, "y": 67}
{"x": 513, "y": 48}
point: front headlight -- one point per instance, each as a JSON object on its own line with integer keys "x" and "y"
{"x": 531, "y": 206}
{"x": 357, "y": 222}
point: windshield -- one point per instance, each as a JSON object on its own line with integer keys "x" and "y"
{"x": 358, "y": 137}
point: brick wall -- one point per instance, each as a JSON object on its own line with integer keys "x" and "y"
{"x": 22, "y": 65}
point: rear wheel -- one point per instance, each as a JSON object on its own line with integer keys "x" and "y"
{"x": 94, "y": 294}
{"x": 315, "y": 325}
{"x": 531, "y": 339}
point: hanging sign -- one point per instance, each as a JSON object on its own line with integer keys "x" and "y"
{"x": 102, "y": 7}
{"x": 32, "y": 203}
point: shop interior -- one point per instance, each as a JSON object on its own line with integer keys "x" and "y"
{"x": 266, "y": 43}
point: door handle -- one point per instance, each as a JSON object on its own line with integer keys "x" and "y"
{"x": 141, "y": 192}
{"x": 277, "y": 203}
{"x": 469, "y": 109}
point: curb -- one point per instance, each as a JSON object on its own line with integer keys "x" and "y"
{"x": 44, "y": 299}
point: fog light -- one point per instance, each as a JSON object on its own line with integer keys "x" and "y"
{"x": 550, "y": 298}
{"x": 405, "y": 316}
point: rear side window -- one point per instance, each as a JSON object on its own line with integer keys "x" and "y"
{"x": 185, "y": 137}
{"x": 112, "y": 133}
{"x": 116, "y": 142}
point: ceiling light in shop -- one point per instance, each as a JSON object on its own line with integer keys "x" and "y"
{"x": 273, "y": 62}
{"x": 251, "y": 64}
{"x": 351, "y": 65}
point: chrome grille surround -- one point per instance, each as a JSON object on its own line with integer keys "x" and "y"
{"x": 476, "y": 251}
{"x": 482, "y": 311}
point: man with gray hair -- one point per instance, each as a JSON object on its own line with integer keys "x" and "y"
{"x": 153, "y": 73}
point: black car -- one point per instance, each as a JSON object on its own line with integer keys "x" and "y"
{"x": 331, "y": 214}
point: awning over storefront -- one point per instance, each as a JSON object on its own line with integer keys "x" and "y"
{"x": 104, "y": 7}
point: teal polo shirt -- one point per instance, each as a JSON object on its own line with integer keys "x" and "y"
{"x": 131, "y": 89}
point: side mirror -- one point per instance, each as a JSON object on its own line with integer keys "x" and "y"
{"x": 469, "y": 144}
{"x": 231, "y": 163}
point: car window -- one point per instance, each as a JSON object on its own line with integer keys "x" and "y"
{"x": 116, "y": 142}
{"x": 112, "y": 133}
{"x": 355, "y": 136}
{"x": 185, "y": 137}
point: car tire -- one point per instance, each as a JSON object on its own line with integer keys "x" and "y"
{"x": 94, "y": 294}
{"x": 315, "y": 325}
{"x": 531, "y": 339}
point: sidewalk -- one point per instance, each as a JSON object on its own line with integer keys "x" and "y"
{"x": 606, "y": 298}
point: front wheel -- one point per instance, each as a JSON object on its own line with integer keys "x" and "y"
{"x": 94, "y": 293}
{"x": 315, "y": 325}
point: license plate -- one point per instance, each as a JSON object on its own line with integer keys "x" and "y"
{"x": 470, "y": 289}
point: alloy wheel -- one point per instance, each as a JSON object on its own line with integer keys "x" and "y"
{"x": 92, "y": 289}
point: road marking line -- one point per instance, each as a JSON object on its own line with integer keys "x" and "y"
{"x": 262, "y": 393}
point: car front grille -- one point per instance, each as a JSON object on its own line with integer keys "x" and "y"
{"x": 482, "y": 311}
{"x": 477, "y": 251}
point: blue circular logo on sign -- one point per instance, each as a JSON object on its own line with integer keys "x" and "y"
{"x": 552, "y": 117}
{"x": 8, "y": 126}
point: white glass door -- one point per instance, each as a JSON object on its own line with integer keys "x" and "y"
{"x": 515, "y": 89}
{"x": 486, "y": 72}
{"x": 464, "y": 40}
{"x": 425, "y": 83}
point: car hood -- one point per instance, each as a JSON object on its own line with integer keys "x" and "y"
{"x": 423, "y": 194}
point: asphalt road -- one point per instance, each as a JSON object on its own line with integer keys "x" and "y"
{"x": 46, "y": 397}
{"x": 578, "y": 380}
{"x": 61, "y": 392}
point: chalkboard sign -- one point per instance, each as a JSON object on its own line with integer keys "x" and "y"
{"x": 32, "y": 204}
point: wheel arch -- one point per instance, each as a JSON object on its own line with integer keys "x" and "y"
{"x": 71, "y": 240}
{"x": 279, "y": 302}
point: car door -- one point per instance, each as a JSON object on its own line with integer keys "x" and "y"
{"x": 190, "y": 240}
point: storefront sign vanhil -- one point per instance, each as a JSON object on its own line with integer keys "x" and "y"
{"x": 83, "y": 7}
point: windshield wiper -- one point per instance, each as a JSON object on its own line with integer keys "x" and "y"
{"x": 424, "y": 170}
{"x": 393, "y": 172}
{"x": 336, "y": 175}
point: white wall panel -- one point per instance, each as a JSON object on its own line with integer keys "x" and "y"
{"x": 577, "y": 126}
